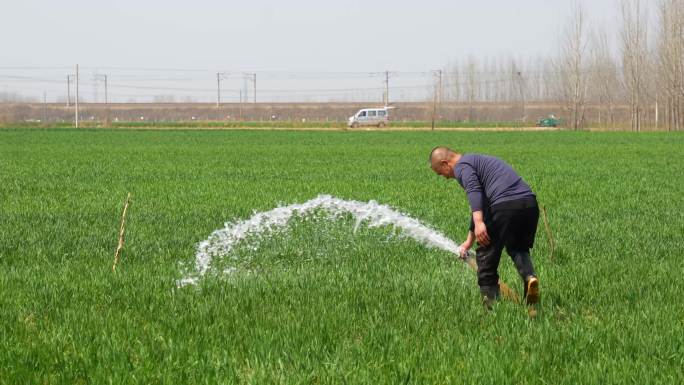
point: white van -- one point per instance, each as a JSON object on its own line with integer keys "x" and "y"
{"x": 369, "y": 117}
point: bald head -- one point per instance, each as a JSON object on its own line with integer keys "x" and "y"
{"x": 442, "y": 160}
{"x": 441, "y": 153}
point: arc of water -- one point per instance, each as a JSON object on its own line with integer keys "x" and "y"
{"x": 372, "y": 214}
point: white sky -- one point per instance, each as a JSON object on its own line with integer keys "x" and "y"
{"x": 268, "y": 35}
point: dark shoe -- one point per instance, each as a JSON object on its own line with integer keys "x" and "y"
{"x": 488, "y": 302}
{"x": 490, "y": 294}
{"x": 532, "y": 290}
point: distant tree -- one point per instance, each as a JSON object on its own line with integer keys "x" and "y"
{"x": 634, "y": 58}
{"x": 535, "y": 83}
{"x": 670, "y": 48}
{"x": 603, "y": 77}
{"x": 453, "y": 79}
{"x": 516, "y": 83}
{"x": 488, "y": 68}
{"x": 471, "y": 86}
{"x": 497, "y": 77}
{"x": 572, "y": 66}
{"x": 551, "y": 78}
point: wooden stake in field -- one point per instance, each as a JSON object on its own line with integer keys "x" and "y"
{"x": 552, "y": 244}
{"x": 122, "y": 229}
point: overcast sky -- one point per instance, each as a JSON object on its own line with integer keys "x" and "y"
{"x": 42, "y": 40}
{"x": 280, "y": 35}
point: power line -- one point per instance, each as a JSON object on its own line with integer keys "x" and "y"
{"x": 282, "y": 85}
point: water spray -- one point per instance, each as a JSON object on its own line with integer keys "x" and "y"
{"x": 221, "y": 242}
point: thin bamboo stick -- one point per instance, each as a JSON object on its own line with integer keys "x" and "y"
{"x": 122, "y": 229}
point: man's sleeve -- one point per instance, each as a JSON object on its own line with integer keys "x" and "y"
{"x": 471, "y": 185}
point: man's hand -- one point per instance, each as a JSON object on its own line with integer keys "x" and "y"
{"x": 463, "y": 252}
{"x": 465, "y": 246}
{"x": 480, "y": 229}
{"x": 481, "y": 234}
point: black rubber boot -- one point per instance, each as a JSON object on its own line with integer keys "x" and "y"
{"x": 490, "y": 294}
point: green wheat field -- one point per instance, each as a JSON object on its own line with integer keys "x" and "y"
{"x": 322, "y": 303}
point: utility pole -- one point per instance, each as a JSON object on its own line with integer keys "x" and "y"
{"x": 69, "y": 89}
{"x": 434, "y": 109}
{"x": 386, "y": 88}
{"x": 435, "y": 94}
{"x": 254, "y": 77}
{"x": 44, "y": 107}
{"x": 521, "y": 85}
{"x": 106, "y": 97}
{"x": 240, "y": 107}
{"x": 76, "y": 110}
{"x": 251, "y": 76}
{"x": 218, "y": 90}
{"x": 219, "y": 76}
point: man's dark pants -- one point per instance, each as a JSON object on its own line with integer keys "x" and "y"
{"x": 513, "y": 225}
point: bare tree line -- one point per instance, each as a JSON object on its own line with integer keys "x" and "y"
{"x": 644, "y": 73}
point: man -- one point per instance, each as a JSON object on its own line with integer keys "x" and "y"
{"x": 504, "y": 214}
